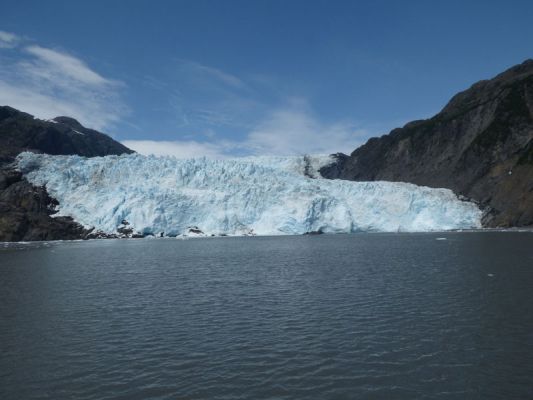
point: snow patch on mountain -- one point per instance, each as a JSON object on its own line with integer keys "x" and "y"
{"x": 259, "y": 195}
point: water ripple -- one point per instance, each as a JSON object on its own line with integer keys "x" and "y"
{"x": 367, "y": 316}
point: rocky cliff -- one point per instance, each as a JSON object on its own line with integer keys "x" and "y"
{"x": 480, "y": 146}
{"x": 62, "y": 135}
{"x": 26, "y": 210}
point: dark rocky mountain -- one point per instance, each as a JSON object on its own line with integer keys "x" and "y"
{"x": 480, "y": 146}
{"x": 62, "y": 135}
{"x": 25, "y": 210}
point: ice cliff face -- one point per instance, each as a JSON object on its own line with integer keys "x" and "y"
{"x": 265, "y": 196}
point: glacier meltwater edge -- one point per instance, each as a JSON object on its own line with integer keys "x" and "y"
{"x": 263, "y": 196}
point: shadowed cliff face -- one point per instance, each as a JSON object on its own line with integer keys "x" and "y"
{"x": 26, "y": 210}
{"x": 480, "y": 145}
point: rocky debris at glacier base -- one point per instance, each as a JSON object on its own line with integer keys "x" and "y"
{"x": 136, "y": 196}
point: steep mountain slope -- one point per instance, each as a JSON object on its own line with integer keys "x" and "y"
{"x": 480, "y": 146}
{"x": 26, "y": 210}
{"x": 62, "y": 135}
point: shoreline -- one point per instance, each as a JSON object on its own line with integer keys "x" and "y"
{"x": 185, "y": 237}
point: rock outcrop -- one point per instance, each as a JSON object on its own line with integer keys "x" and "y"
{"x": 20, "y": 131}
{"x": 480, "y": 146}
{"x": 26, "y": 211}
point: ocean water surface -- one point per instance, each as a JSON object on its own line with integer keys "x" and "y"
{"x": 362, "y": 316}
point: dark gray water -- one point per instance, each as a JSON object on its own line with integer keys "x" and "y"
{"x": 367, "y": 316}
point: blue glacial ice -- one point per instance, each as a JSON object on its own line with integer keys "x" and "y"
{"x": 260, "y": 195}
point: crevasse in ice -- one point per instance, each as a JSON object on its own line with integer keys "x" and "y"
{"x": 261, "y": 195}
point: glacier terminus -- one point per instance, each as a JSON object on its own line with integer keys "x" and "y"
{"x": 165, "y": 196}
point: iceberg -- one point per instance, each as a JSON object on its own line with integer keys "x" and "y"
{"x": 164, "y": 196}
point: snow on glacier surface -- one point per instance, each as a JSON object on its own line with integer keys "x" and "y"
{"x": 261, "y": 195}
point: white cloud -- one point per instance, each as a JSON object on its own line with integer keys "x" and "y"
{"x": 211, "y": 73}
{"x": 202, "y": 96}
{"x": 179, "y": 149}
{"x": 40, "y": 105}
{"x": 47, "y": 83}
{"x": 52, "y": 65}
{"x": 297, "y": 131}
{"x": 8, "y": 40}
{"x": 288, "y": 131}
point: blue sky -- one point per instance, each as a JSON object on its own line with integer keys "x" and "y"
{"x": 225, "y": 78}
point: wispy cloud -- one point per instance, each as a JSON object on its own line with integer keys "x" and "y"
{"x": 254, "y": 108}
{"x": 214, "y": 73}
{"x": 8, "y": 40}
{"x": 47, "y": 82}
{"x": 51, "y": 65}
{"x": 290, "y": 130}
{"x": 294, "y": 129}
{"x": 181, "y": 149}
{"x": 200, "y": 96}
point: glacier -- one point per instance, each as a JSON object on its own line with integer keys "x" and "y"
{"x": 165, "y": 196}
